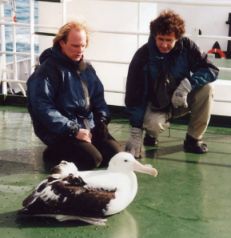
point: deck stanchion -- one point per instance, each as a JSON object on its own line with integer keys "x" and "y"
{"x": 3, "y": 55}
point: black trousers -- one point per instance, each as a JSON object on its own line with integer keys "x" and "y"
{"x": 86, "y": 156}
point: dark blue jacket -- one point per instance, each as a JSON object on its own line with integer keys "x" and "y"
{"x": 184, "y": 61}
{"x": 57, "y": 102}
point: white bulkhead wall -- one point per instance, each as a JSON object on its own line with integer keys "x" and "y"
{"x": 113, "y": 40}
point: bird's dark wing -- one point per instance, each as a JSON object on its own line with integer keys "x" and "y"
{"x": 70, "y": 196}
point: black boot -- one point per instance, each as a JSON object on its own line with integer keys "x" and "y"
{"x": 150, "y": 141}
{"x": 193, "y": 145}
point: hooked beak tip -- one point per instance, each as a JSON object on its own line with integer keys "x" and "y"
{"x": 155, "y": 173}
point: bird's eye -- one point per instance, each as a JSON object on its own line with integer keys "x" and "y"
{"x": 125, "y": 160}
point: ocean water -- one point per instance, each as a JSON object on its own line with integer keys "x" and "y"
{"x": 22, "y": 33}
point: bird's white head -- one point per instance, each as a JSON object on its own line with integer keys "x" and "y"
{"x": 64, "y": 168}
{"x": 125, "y": 162}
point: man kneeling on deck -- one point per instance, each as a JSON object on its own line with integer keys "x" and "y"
{"x": 167, "y": 78}
{"x": 67, "y": 105}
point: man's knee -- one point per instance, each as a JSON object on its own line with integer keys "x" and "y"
{"x": 206, "y": 91}
{"x": 87, "y": 160}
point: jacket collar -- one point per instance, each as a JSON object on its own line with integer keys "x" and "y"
{"x": 55, "y": 52}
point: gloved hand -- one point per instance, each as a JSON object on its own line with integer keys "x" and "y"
{"x": 134, "y": 144}
{"x": 179, "y": 97}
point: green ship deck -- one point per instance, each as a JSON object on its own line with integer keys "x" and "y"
{"x": 189, "y": 199}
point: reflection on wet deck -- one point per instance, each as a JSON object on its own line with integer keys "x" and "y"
{"x": 190, "y": 197}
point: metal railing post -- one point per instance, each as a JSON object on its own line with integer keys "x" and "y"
{"x": 15, "y": 66}
{"x": 3, "y": 55}
{"x": 32, "y": 40}
{"x": 64, "y": 11}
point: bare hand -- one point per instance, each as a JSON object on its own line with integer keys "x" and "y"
{"x": 84, "y": 134}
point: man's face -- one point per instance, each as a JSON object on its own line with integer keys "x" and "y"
{"x": 75, "y": 45}
{"x": 165, "y": 43}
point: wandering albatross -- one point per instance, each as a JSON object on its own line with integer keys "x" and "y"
{"x": 89, "y": 196}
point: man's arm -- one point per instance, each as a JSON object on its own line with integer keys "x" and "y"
{"x": 203, "y": 71}
{"x": 41, "y": 99}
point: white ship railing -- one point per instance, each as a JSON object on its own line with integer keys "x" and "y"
{"x": 31, "y": 25}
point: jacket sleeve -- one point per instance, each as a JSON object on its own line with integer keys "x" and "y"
{"x": 203, "y": 71}
{"x": 136, "y": 85}
{"x": 98, "y": 104}
{"x": 136, "y": 88}
{"x": 41, "y": 90}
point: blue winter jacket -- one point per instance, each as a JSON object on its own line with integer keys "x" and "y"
{"x": 184, "y": 61}
{"x": 57, "y": 101}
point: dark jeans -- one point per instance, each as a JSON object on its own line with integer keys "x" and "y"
{"x": 86, "y": 156}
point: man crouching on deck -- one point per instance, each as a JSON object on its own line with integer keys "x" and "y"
{"x": 167, "y": 78}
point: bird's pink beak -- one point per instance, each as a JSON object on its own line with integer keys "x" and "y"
{"x": 145, "y": 169}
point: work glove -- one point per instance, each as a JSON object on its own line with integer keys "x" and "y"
{"x": 179, "y": 97}
{"x": 134, "y": 144}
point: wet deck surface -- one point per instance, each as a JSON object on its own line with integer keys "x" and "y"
{"x": 189, "y": 198}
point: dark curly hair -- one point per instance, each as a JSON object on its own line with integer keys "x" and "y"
{"x": 166, "y": 23}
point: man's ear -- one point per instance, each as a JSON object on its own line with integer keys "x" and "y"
{"x": 62, "y": 43}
